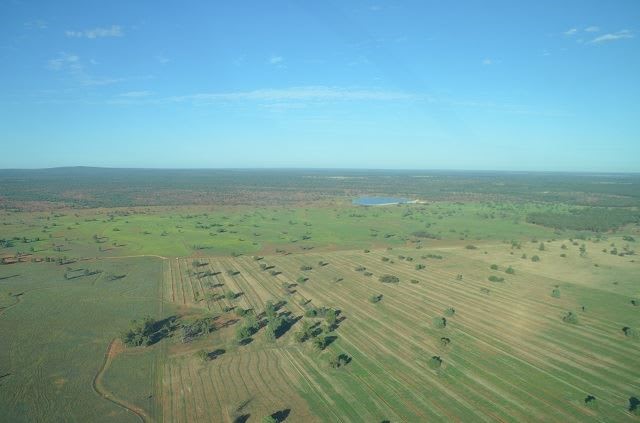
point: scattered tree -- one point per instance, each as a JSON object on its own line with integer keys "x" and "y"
{"x": 376, "y": 298}
{"x": 435, "y": 362}
{"x": 570, "y": 317}
{"x": 439, "y": 322}
{"x": 389, "y": 279}
{"x": 590, "y": 401}
{"x": 339, "y": 360}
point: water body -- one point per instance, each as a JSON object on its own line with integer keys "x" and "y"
{"x": 379, "y": 201}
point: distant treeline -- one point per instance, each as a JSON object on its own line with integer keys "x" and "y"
{"x": 595, "y": 219}
{"x": 104, "y": 187}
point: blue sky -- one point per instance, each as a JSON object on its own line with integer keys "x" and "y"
{"x": 508, "y": 85}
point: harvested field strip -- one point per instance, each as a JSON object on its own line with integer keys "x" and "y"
{"x": 578, "y": 333}
{"x": 551, "y": 365}
{"x": 405, "y": 305}
{"x": 216, "y": 391}
{"x": 444, "y": 304}
{"x": 402, "y": 384}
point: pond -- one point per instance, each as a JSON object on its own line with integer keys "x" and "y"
{"x": 379, "y": 201}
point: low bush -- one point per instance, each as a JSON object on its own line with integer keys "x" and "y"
{"x": 376, "y": 298}
{"x": 570, "y": 317}
{"x": 435, "y": 362}
{"x": 439, "y": 322}
{"x": 389, "y": 279}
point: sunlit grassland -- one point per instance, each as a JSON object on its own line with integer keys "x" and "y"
{"x": 223, "y": 231}
{"x": 55, "y": 338}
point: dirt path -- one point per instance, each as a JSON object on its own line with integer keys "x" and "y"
{"x": 132, "y": 256}
{"x": 113, "y": 349}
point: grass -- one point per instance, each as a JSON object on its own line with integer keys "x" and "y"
{"x": 222, "y": 231}
{"x": 510, "y": 355}
{"x": 515, "y": 330}
{"x": 55, "y": 339}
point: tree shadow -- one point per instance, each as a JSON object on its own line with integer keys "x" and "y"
{"x": 245, "y": 341}
{"x": 634, "y": 404}
{"x": 162, "y": 329}
{"x": 288, "y": 323}
{"x": 242, "y": 419}
{"x": 281, "y": 415}
{"x": 116, "y": 277}
{"x": 328, "y": 340}
{"x": 8, "y": 277}
{"x": 215, "y": 353}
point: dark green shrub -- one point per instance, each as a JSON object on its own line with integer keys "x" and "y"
{"x": 339, "y": 360}
{"x": 435, "y": 362}
{"x": 376, "y": 298}
{"x": 590, "y": 401}
{"x": 389, "y": 279}
{"x": 439, "y": 322}
{"x": 570, "y": 317}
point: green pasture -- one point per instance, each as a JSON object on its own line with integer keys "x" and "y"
{"x": 55, "y": 337}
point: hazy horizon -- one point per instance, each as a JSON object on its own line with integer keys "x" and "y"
{"x": 346, "y": 169}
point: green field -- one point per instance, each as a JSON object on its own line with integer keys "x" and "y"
{"x": 474, "y": 326}
{"x": 185, "y": 231}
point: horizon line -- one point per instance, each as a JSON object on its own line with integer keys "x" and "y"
{"x": 287, "y": 168}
